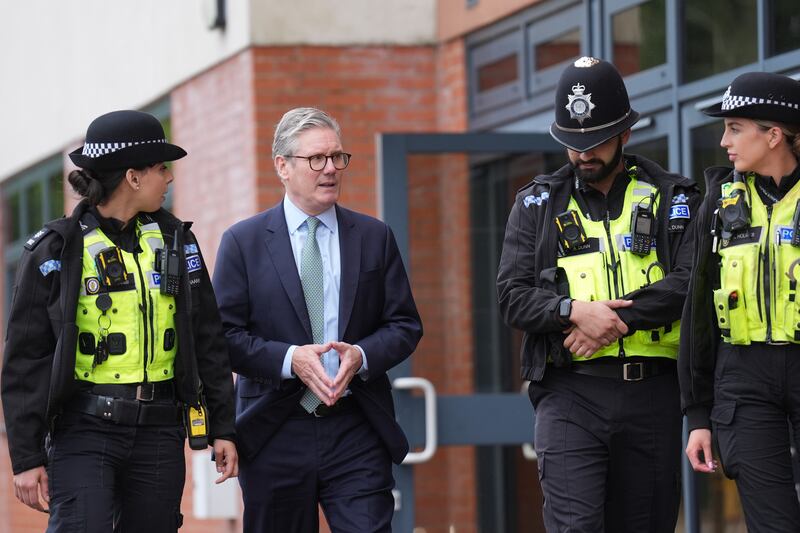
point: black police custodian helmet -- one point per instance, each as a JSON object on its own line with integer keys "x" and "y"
{"x": 125, "y": 139}
{"x": 760, "y": 96}
{"x": 592, "y": 105}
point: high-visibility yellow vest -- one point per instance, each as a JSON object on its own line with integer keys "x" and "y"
{"x": 757, "y": 301}
{"x": 607, "y": 270}
{"x": 139, "y": 327}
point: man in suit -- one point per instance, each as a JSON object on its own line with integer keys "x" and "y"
{"x": 316, "y": 307}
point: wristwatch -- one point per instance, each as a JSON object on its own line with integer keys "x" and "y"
{"x": 564, "y": 310}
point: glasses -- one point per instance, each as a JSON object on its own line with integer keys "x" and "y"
{"x": 317, "y": 162}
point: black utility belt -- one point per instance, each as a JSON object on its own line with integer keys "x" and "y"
{"x": 126, "y": 412}
{"x": 146, "y": 392}
{"x": 626, "y": 370}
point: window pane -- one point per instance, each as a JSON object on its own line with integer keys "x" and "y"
{"x": 656, "y": 150}
{"x": 497, "y": 73}
{"x": 56, "y": 192}
{"x": 709, "y": 44}
{"x": 706, "y": 151}
{"x": 562, "y": 48}
{"x": 35, "y": 214}
{"x": 640, "y": 37}
{"x": 13, "y": 222}
{"x": 784, "y": 21}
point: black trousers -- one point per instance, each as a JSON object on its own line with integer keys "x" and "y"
{"x": 755, "y": 419}
{"x": 108, "y": 477}
{"x": 338, "y": 462}
{"x": 609, "y": 452}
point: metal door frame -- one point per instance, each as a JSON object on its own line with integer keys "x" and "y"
{"x": 460, "y": 420}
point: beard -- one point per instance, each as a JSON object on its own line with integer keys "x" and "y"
{"x": 604, "y": 171}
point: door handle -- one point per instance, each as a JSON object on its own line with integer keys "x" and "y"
{"x": 429, "y": 394}
{"x": 528, "y": 452}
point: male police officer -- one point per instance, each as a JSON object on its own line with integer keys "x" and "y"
{"x": 594, "y": 270}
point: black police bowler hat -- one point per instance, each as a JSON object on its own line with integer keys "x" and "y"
{"x": 761, "y": 96}
{"x": 125, "y": 139}
{"x": 592, "y": 105}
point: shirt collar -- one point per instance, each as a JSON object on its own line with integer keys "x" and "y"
{"x": 295, "y": 217}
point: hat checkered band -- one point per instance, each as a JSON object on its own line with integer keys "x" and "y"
{"x": 731, "y": 101}
{"x": 95, "y": 150}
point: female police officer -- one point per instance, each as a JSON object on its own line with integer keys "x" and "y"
{"x": 113, "y": 342}
{"x": 745, "y": 375}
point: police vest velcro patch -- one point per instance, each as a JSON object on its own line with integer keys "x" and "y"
{"x": 36, "y": 238}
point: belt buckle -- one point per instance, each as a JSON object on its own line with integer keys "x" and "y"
{"x": 145, "y": 392}
{"x": 638, "y": 375}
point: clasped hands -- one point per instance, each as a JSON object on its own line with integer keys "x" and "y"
{"x": 594, "y": 325}
{"x": 307, "y": 365}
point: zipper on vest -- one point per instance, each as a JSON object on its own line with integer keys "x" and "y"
{"x": 152, "y": 329}
{"x": 146, "y": 311}
{"x": 614, "y": 267}
{"x": 767, "y": 273}
{"x": 614, "y": 262}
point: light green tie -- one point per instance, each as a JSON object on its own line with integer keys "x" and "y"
{"x": 311, "y": 278}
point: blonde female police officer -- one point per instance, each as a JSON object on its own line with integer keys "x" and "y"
{"x": 740, "y": 351}
{"x": 106, "y": 350}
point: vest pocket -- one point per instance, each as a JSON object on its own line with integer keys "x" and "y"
{"x": 731, "y": 316}
{"x": 583, "y": 284}
{"x": 730, "y": 301}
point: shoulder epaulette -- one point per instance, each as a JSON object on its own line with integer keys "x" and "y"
{"x": 36, "y": 238}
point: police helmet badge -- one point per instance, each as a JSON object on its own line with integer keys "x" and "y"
{"x": 579, "y": 105}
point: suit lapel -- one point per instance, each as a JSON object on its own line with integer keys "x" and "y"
{"x": 280, "y": 250}
{"x": 350, "y": 254}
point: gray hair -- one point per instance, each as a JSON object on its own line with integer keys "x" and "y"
{"x": 296, "y": 121}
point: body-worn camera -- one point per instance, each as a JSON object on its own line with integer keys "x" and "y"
{"x": 734, "y": 210}
{"x": 111, "y": 268}
{"x": 570, "y": 230}
{"x": 642, "y": 226}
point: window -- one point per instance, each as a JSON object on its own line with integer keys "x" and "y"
{"x": 639, "y": 37}
{"x": 564, "y": 47}
{"x": 783, "y": 20}
{"x": 29, "y": 200}
{"x": 554, "y": 42}
{"x": 656, "y": 150}
{"x": 718, "y": 35}
{"x": 497, "y": 73}
{"x": 495, "y": 79}
{"x": 706, "y": 151}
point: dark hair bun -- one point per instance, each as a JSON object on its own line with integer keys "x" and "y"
{"x": 86, "y": 185}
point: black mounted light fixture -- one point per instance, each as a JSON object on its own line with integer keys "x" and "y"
{"x": 214, "y": 14}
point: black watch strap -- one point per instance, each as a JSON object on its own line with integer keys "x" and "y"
{"x": 565, "y": 310}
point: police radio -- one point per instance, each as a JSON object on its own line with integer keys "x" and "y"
{"x": 168, "y": 266}
{"x": 796, "y": 225}
{"x": 642, "y": 228}
{"x": 570, "y": 230}
{"x": 734, "y": 210}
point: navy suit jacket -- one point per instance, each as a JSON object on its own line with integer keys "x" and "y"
{"x": 263, "y": 312}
